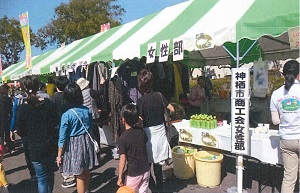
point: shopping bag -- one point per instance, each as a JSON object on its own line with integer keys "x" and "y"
{"x": 96, "y": 146}
{"x": 106, "y": 136}
{"x": 172, "y": 135}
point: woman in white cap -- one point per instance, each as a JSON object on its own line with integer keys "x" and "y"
{"x": 89, "y": 100}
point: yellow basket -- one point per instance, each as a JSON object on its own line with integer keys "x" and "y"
{"x": 208, "y": 168}
{"x": 183, "y": 164}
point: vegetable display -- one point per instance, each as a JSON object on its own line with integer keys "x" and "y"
{"x": 203, "y": 121}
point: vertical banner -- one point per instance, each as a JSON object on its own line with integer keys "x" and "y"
{"x": 164, "y": 51}
{"x": 178, "y": 49}
{"x": 104, "y": 27}
{"x": 260, "y": 78}
{"x": 24, "y": 21}
{"x": 240, "y": 96}
{"x": 1, "y": 66}
{"x": 151, "y": 52}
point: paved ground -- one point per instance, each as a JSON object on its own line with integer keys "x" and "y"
{"x": 258, "y": 177}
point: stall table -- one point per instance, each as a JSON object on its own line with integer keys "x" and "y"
{"x": 264, "y": 147}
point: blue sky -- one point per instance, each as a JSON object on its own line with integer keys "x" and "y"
{"x": 42, "y": 11}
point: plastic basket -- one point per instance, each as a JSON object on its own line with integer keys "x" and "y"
{"x": 208, "y": 168}
{"x": 183, "y": 163}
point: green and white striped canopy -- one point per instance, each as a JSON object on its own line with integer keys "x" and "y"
{"x": 223, "y": 20}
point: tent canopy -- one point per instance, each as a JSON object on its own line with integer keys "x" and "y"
{"x": 225, "y": 22}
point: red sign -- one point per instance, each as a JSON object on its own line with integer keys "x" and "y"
{"x": 105, "y": 27}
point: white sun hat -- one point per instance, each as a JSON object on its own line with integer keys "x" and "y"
{"x": 82, "y": 83}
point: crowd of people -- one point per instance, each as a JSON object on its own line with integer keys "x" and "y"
{"x": 56, "y": 129}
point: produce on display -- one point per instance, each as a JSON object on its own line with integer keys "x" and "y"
{"x": 203, "y": 121}
{"x": 183, "y": 150}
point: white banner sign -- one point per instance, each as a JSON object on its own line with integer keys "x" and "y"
{"x": 164, "y": 51}
{"x": 240, "y": 96}
{"x": 178, "y": 49}
{"x": 151, "y": 53}
{"x": 260, "y": 74}
{"x": 203, "y": 41}
{"x": 260, "y": 78}
{"x": 198, "y": 137}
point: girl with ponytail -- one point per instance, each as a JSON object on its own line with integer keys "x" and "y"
{"x": 285, "y": 111}
{"x": 291, "y": 73}
{"x": 31, "y": 85}
{"x": 36, "y": 120}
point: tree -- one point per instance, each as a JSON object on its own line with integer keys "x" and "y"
{"x": 11, "y": 41}
{"x": 78, "y": 19}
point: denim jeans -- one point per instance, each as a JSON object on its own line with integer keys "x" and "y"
{"x": 27, "y": 156}
{"x": 45, "y": 174}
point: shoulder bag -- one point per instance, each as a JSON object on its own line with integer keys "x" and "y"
{"x": 96, "y": 145}
{"x": 171, "y": 132}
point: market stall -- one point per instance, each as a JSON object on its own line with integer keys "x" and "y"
{"x": 190, "y": 21}
{"x": 204, "y": 33}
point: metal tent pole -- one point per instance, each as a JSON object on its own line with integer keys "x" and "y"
{"x": 237, "y": 58}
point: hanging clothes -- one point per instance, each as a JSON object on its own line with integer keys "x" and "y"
{"x": 158, "y": 77}
{"x": 90, "y": 73}
{"x": 163, "y": 78}
{"x": 169, "y": 81}
{"x": 100, "y": 71}
{"x": 76, "y": 71}
{"x": 116, "y": 103}
{"x": 178, "y": 85}
{"x": 128, "y": 72}
{"x": 185, "y": 78}
{"x": 95, "y": 72}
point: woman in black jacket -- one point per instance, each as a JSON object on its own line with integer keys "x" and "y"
{"x": 37, "y": 119}
{"x": 5, "y": 117}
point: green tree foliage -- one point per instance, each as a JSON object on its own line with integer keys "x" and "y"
{"x": 11, "y": 41}
{"x": 78, "y": 19}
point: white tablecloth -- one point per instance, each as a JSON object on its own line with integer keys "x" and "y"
{"x": 264, "y": 147}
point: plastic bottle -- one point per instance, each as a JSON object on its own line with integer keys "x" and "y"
{"x": 215, "y": 122}
{"x": 180, "y": 151}
{"x": 209, "y": 157}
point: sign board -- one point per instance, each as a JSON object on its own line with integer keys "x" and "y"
{"x": 178, "y": 49}
{"x": 260, "y": 78}
{"x": 240, "y": 96}
{"x": 203, "y": 41}
{"x": 104, "y": 27}
{"x": 199, "y": 137}
{"x": 151, "y": 52}
{"x": 164, "y": 51}
{"x": 294, "y": 36}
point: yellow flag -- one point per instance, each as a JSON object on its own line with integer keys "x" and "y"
{"x": 24, "y": 21}
{"x": 0, "y": 66}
